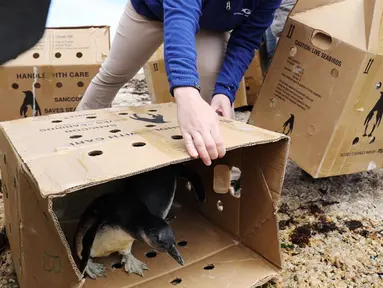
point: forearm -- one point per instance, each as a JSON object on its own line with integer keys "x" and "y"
{"x": 181, "y": 20}
{"x": 240, "y": 50}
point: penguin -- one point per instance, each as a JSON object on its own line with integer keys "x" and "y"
{"x": 136, "y": 211}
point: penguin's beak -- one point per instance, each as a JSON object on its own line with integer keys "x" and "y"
{"x": 172, "y": 251}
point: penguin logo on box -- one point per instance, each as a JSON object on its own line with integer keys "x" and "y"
{"x": 29, "y": 100}
{"x": 376, "y": 111}
{"x": 155, "y": 118}
{"x": 290, "y": 124}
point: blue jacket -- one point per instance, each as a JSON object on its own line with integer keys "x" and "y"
{"x": 183, "y": 18}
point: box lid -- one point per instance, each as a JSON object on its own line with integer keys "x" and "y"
{"x": 356, "y": 22}
{"x": 68, "y": 151}
{"x": 60, "y": 46}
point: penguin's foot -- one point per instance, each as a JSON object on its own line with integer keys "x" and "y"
{"x": 133, "y": 265}
{"x": 95, "y": 270}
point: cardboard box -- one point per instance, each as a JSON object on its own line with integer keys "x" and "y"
{"x": 158, "y": 85}
{"x": 324, "y": 87}
{"x": 52, "y": 76}
{"x": 54, "y": 165}
{"x": 254, "y": 79}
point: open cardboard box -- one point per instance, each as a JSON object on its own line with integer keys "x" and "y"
{"x": 54, "y": 165}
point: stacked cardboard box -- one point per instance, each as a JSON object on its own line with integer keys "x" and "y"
{"x": 52, "y": 76}
{"x": 254, "y": 79}
{"x": 324, "y": 86}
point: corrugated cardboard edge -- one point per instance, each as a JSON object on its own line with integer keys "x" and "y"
{"x": 77, "y": 27}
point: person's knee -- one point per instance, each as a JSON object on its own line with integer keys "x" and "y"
{"x": 106, "y": 78}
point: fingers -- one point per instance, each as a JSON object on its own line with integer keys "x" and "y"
{"x": 200, "y": 146}
{"x": 218, "y": 139}
{"x": 190, "y": 145}
{"x": 210, "y": 144}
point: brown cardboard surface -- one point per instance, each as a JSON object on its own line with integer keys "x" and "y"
{"x": 53, "y": 75}
{"x": 158, "y": 85}
{"x": 53, "y": 176}
{"x": 322, "y": 83}
{"x": 254, "y": 79}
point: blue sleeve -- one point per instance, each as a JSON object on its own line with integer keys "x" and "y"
{"x": 181, "y": 24}
{"x": 243, "y": 41}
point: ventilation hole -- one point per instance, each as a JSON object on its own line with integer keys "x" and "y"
{"x": 59, "y": 84}
{"x": 91, "y": 117}
{"x": 293, "y": 51}
{"x": 321, "y": 40}
{"x": 355, "y": 141}
{"x": 37, "y": 85}
{"x": 334, "y": 73}
{"x": 117, "y": 266}
{"x": 115, "y": 131}
{"x": 138, "y": 144}
{"x": 45, "y": 215}
{"x": 15, "y": 86}
{"x": 176, "y": 281}
{"x": 152, "y": 110}
{"x": 36, "y": 55}
{"x": 182, "y": 243}
{"x": 151, "y": 254}
{"x": 378, "y": 85}
{"x": 177, "y": 137}
{"x": 14, "y": 182}
{"x": 80, "y": 84}
{"x": 10, "y": 228}
{"x": 95, "y": 153}
{"x": 123, "y": 113}
{"x": 150, "y": 125}
{"x": 57, "y": 121}
{"x": 247, "y": 88}
{"x": 209, "y": 267}
{"x": 58, "y": 55}
{"x": 220, "y": 205}
{"x": 5, "y": 159}
{"x": 79, "y": 55}
{"x": 75, "y": 136}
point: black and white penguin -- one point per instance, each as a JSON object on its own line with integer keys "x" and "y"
{"x": 136, "y": 211}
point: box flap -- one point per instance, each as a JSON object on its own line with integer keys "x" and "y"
{"x": 356, "y": 22}
{"x": 82, "y": 45}
{"x": 101, "y": 145}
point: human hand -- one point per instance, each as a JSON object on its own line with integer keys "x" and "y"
{"x": 221, "y": 104}
{"x": 199, "y": 125}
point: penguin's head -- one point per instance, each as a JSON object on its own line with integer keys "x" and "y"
{"x": 159, "y": 236}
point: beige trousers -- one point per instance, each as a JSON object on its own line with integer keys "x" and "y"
{"x": 136, "y": 39}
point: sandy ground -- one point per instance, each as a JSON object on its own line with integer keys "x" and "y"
{"x": 331, "y": 230}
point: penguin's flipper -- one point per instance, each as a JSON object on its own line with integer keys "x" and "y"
{"x": 91, "y": 268}
{"x": 195, "y": 180}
